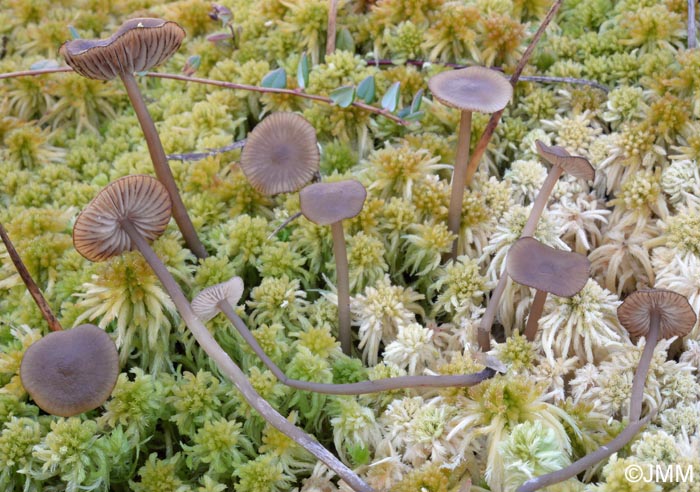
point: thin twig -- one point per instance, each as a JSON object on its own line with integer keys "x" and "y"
{"x": 198, "y": 156}
{"x": 33, "y": 289}
{"x": 34, "y": 73}
{"x": 283, "y": 225}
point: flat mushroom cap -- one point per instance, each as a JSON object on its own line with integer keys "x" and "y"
{"x": 575, "y": 165}
{"x": 677, "y": 317}
{"x": 472, "y": 89}
{"x": 98, "y": 234}
{"x": 205, "y": 303}
{"x": 327, "y": 203}
{"x": 537, "y": 265}
{"x": 138, "y": 45}
{"x": 72, "y": 371}
{"x": 281, "y": 154}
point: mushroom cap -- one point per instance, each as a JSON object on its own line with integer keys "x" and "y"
{"x": 98, "y": 234}
{"x": 205, "y": 303}
{"x": 72, "y": 371}
{"x": 575, "y": 165}
{"x": 472, "y": 89}
{"x": 138, "y": 45}
{"x": 327, "y": 203}
{"x": 562, "y": 273}
{"x": 281, "y": 154}
{"x": 677, "y": 317}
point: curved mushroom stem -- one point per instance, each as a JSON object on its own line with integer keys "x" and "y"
{"x": 234, "y": 373}
{"x": 342, "y": 280}
{"x": 364, "y": 387}
{"x": 587, "y": 461}
{"x": 533, "y": 318}
{"x": 33, "y": 289}
{"x": 330, "y": 35}
{"x": 161, "y": 167}
{"x": 459, "y": 178}
{"x": 484, "y": 333}
{"x": 640, "y": 375}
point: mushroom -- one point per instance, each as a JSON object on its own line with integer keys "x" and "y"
{"x": 138, "y": 45}
{"x": 222, "y": 297}
{"x": 281, "y": 154}
{"x": 468, "y": 89}
{"x": 126, "y": 215}
{"x": 70, "y": 372}
{"x": 330, "y": 203}
{"x": 548, "y": 270}
{"x": 653, "y": 314}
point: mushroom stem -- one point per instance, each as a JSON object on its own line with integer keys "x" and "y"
{"x": 541, "y": 201}
{"x": 330, "y": 35}
{"x": 224, "y": 362}
{"x": 587, "y": 461}
{"x": 533, "y": 318}
{"x": 161, "y": 167}
{"x": 484, "y": 333}
{"x": 363, "y": 387}
{"x": 33, "y": 289}
{"x": 640, "y": 375}
{"x": 342, "y": 280}
{"x": 692, "y": 34}
{"x": 459, "y": 178}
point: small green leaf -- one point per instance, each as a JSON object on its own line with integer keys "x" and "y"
{"x": 74, "y": 32}
{"x": 343, "y": 96}
{"x": 414, "y": 116}
{"x": 417, "y": 100}
{"x": 366, "y": 89}
{"x": 390, "y": 101}
{"x": 303, "y": 71}
{"x": 276, "y": 79}
{"x": 192, "y": 64}
{"x": 344, "y": 41}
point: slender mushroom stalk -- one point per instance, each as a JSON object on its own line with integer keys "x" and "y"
{"x": 72, "y": 371}
{"x": 692, "y": 32}
{"x": 137, "y": 46}
{"x": 561, "y": 161}
{"x": 653, "y": 314}
{"x": 330, "y": 34}
{"x": 546, "y": 269}
{"x": 126, "y": 215}
{"x": 330, "y": 204}
{"x": 26, "y": 277}
{"x": 468, "y": 89}
{"x": 222, "y": 297}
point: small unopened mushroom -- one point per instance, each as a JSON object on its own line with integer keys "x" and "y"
{"x": 330, "y": 204}
{"x": 138, "y": 45}
{"x": 126, "y": 215}
{"x": 548, "y": 270}
{"x": 653, "y": 314}
{"x": 72, "y": 371}
{"x": 222, "y": 297}
{"x": 468, "y": 89}
{"x": 281, "y": 154}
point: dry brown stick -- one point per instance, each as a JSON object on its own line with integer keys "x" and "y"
{"x": 33, "y": 289}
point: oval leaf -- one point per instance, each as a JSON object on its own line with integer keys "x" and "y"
{"x": 276, "y": 79}
{"x": 390, "y": 101}
{"x": 366, "y": 89}
{"x": 417, "y": 100}
{"x": 303, "y": 71}
{"x": 344, "y": 41}
{"x": 343, "y": 96}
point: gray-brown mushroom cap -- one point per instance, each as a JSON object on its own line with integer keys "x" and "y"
{"x": 281, "y": 154}
{"x": 472, "y": 89}
{"x": 327, "y": 203}
{"x": 205, "y": 304}
{"x": 544, "y": 268}
{"x": 676, "y": 316}
{"x": 577, "y": 166}
{"x": 140, "y": 199}
{"x": 72, "y": 371}
{"x": 138, "y": 45}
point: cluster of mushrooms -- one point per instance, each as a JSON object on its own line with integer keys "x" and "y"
{"x": 73, "y": 371}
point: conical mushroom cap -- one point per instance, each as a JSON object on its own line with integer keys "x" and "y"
{"x": 98, "y": 234}
{"x": 537, "y": 265}
{"x": 138, "y": 45}
{"x": 575, "y": 165}
{"x": 281, "y": 154}
{"x": 205, "y": 303}
{"x": 677, "y": 317}
{"x": 72, "y": 371}
{"x": 327, "y": 203}
{"x": 472, "y": 89}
